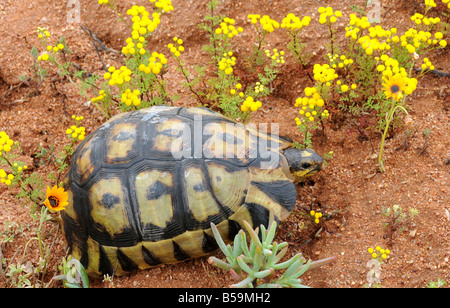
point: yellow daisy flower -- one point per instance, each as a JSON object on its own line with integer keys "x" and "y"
{"x": 394, "y": 86}
{"x": 57, "y": 198}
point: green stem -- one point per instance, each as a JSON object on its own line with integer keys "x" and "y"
{"x": 389, "y": 118}
{"x": 38, "y": 234}
{"x": 331, "y": 38}
{"x": 380, "y": 156}
{"x": 185, "y": 74}
{"x": 163, "y": 90}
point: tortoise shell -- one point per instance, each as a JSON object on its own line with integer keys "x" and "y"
{"x": 145, "y": 187}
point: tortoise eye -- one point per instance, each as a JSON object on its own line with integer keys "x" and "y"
{"x": 306, "y": 165}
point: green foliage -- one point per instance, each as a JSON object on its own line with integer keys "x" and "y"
{"x": 38, "y": 72}
{"x": 73, "y": 274}
{"x": 26, "y": 182}
{"x": 255, "y": 265}
{"x": 32, "y": 188}
{"x": 31, "y": 180}
{"x": 298, "y": 49}
{"x": 218, "y": 45}
{"x": 214, "y": 84}
{"x": 44, "y": 155}
{"x": 397, "y": 219}
{"x": 9, "y": 231}
{"x": 358, "y": 9}
{"x": 214, "y": 90}
{"x": 19, "y": 275}
{"x": 27, "y": 276}
{"x": 436, "y": 284}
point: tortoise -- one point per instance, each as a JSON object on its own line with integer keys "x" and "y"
{"x": 141, "y": 193}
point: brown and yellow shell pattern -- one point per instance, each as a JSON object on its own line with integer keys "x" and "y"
{"x": 141, "y": 194}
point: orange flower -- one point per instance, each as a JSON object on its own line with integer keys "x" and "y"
{"x": 57, "y": 198}
{"x": 394, "y": 86}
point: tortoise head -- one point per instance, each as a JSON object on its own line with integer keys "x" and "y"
{"x": 303, "y": 163}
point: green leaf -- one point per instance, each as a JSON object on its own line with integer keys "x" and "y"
{"x": 263, "y": 233}
{"x": 271, "y": 257}
{"x": 244, "y": 265}
{"x": 219, "y": 239}
{"x": 84, "y": 277}
{"x": 270, "y": 285}
{"x": 81, "y": 272}
{"x": 292, "y": 269}
{"x": 302, "y": 270}
{"x": 287, "y": 263}
{"x": 257, "y": 259}
{"x": 246, "y": 283}
{"x": 297, "y": 285}
{"x": 34, "y": 53}
{"x": 277, "y": 258}
{"x": 237, "y": 243}
{"x": 264, "y": 273}
{"x": 72, "y": 285}
{"x": 219, "y": 263}
{"x": 244, "y": 246}
{"x": 253, "y": 233}
{"x": 271, "y": 234}
{"x": 23, "y": 78}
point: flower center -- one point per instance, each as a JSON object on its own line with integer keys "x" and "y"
{"x": 54, "y": 202}
{"x": 395, "y": 89}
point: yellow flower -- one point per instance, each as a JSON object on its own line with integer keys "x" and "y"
{"x": 250, "y": 104}
{"x": 293, "y": 22}
{"x": 253, "y": 18}
{"x": 57, "y": 198}
{"x": 228, "y": 29}
{"x": 381, "y": 68}
{"x": 165, "y": 5}
{"x": 268, "y": 24}
{"x": 131, "y": 97}
{"x": 5, "y": 143}
{"x": 430, "y": 3}
{"x": 324, "y": 73}
{"x": 394, "y": 86}
{"x": 227, "y": 62}
{"x": 6, "y": 178}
